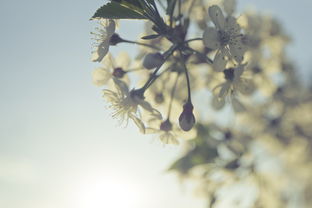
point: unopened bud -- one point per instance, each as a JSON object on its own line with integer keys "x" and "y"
{"x": 153, "y": 60}
{"x": 187, "y": 118}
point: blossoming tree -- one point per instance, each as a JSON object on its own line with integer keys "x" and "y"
{"x": 201, "y": 54}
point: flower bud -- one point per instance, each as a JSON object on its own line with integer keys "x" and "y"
{"x": 153, "y": 60}
{"x": 187, "y": 118}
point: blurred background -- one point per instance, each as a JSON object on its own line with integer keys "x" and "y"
{"x": 59, "y": 146}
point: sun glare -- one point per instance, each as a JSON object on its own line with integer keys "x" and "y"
{"x": 108, "y": 192}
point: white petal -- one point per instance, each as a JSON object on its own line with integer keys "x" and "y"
{"x": 246, "y": 87}
{"x": 224, "y": 89}
{"x": 237, "y": 51}
{"x": 210, "y": 38}
{"x": 123, "y": 60}
{"x": 156, "y": 114}
{"x": 232, "y": 26}
{"x": 168, "y": 138}
{"x": 238, "y": 72}
{"x": 219, "y": 61}
{"x": 144, "y": 104}
{"x": 216, "y": 16}
{"x": 187, "y": 135}
{"x": 110, "y": 29}
{"x": 149, "y": 130}
{"x": 138, "y": 123}
{"x": 237, "y": 105}
{"x": 101, "y": 52}
{"x": 217, "y": 103}
{"x": 229, "y": 6}
{"x": 107, "y": 61}
{"x": 100, "y": 76}
{"x": 121, "y": 86}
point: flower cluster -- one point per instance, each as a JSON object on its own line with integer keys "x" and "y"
{"x": 194, "y": 59}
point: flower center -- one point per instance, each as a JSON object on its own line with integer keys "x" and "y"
{"x": 256, "y": 69}
{"x": 118, "y": 72}
{"x": 166, "y": 126}
{"x": 274, "y": 122}
{"x": 229, "y": 74}
{"x": 115, "y": 39}
{"x": 224, "y": 37}
{"x": 137, "y": 94}
{"x": 159, "y": 98}
{"x": 228, "y": 135}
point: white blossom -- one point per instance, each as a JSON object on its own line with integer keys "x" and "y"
{"x": 111, "y": 67}
{"x": 225, "y": 37}
{"x": 168, "y": 132}
{"x": 126, "y": 104}
{"x": 102, "y": 38}
{"x": 234, "y": 83}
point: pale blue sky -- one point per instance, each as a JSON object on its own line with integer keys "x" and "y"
{"x": 53, "y": 124}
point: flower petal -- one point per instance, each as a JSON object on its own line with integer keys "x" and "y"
{"x": 149, "y": 130}
{"x": 237, "y": 105}
{"x": 232, "y": 26}
{"x": 107, "y": 61}
{"x": 168, "y": 138}
{"x": 122, "y": 87}
{"x": 123, "y": 60}
{"x": 144, "y": 104}
{"x": 216, "y": 16}
{"x": 237, "y": 51}
{"x": 100, "y": 76}
{"x": 224, "y": 89}
{"x": 217, "y": 103}
{"x": 101, "y": 52}
{"x": 229, "y": 6}
{"x": 219, "y": 61}
{"x": 138, "y": 123}
{"x": 239, "y": 71}
{"x": 110, "y": 27}
{"x": 245, "y": 86}
{"x": 210, "y": 38}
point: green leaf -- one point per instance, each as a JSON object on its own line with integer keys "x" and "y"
{"x": 182, "y": 165}
{"x": 119, "y": 10}
{"x": 200, "y": 155}
{"x": 151, "y": 1}
{"x": 129, "y": 3}
{"x": 149, "y": 37}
